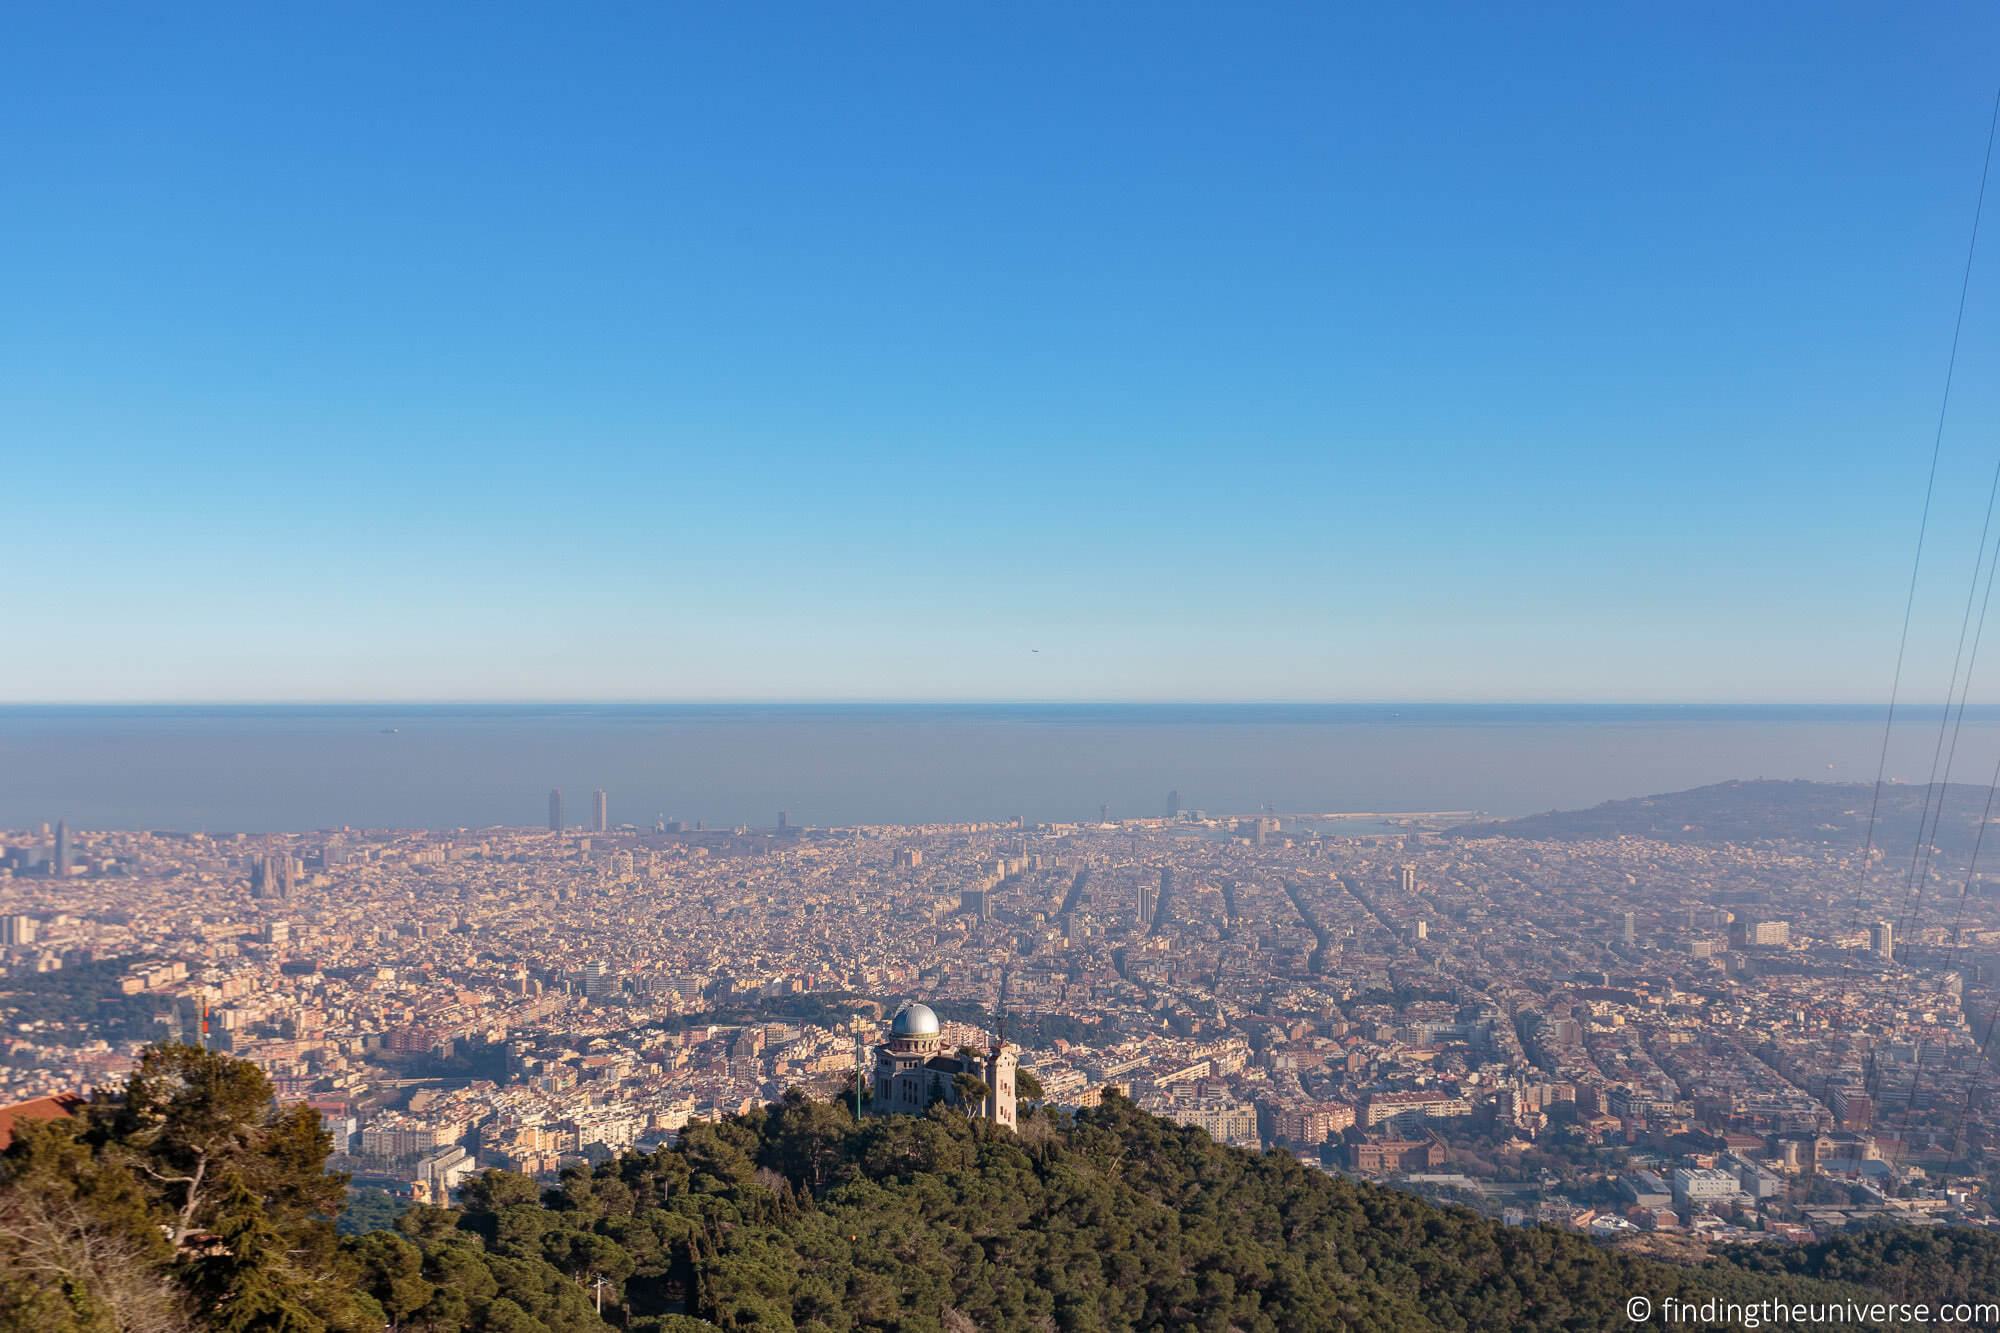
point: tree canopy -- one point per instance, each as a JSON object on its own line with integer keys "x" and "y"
{"x": 194, "y": 1202}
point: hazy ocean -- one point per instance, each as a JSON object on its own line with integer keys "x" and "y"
{"x": 254, "y": 768}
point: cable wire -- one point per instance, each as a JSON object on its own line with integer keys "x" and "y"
{"x": 1923, "y": 524}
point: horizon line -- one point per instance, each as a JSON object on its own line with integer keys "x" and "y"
{"x": 809, "y": 701}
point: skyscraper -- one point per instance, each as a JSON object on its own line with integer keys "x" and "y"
{"x": 555, "y": 810}
{"x": 600, "y": 819}
{"x": 1882, "y": 939}
{"x": 1406, "y": 878}
{"x": 60, "y": 866}
{"x": 784, "y": 821}
{"x": 1627, "y": 932}
{"x": 1173, "y": 804}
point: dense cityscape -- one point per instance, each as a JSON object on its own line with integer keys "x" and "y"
{"x": 1654, "y": 1042}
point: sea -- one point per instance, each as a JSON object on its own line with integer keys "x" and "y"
{"x": 261, "y": 768}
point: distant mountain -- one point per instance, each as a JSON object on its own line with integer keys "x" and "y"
{"x": 1834, "y": 814}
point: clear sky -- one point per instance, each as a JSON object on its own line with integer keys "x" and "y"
{"x": 647, "y": 351}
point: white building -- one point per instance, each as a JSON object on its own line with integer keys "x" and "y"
{"x": 438, "y": 1174}
{"x": 1706, "y": 1187}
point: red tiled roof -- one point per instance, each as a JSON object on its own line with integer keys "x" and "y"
{"x": 41, "y": 1108}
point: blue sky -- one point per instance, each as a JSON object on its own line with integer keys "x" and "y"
{"x": 733, "y": 351}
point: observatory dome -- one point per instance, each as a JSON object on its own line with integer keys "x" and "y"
{"x": 914, "y": 1020}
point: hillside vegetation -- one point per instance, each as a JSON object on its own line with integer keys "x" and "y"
{"x": 192, "y": 1203}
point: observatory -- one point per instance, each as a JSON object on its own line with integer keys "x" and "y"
{"x": 913, "y": 1070}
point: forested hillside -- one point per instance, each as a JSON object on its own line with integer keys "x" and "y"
{"x": 191, "y": 1203}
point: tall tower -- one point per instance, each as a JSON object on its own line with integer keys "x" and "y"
{"x": 1627, "y": 932}
{"x": 600, "y": 817}
{"x": 555, "y": 810}
{"x": 1174, "y": 804}
{"x": 1002, "y": 1064}
{"x": 60, "y": 865}
{"x": 1882, "y": 939}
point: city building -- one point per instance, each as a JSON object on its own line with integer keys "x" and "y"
{"x": 1760, "y": 934}
{"x": 1385, "y": 1155}
{"x": 1705, "y": 1187}
{"x": 438, "y": 1174}
{"x": 1882, "y": 939}
{"x": 1222, "y": 1117}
